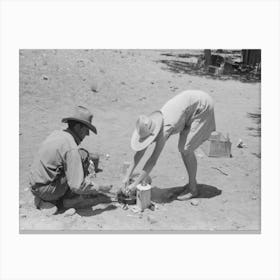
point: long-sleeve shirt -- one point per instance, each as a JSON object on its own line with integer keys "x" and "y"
{"x": 57, "y": 154}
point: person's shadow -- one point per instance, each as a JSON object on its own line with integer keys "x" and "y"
{"x": 167, "y": 195}
{"x": 84, "y": 207}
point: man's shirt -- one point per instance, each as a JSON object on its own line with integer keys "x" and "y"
{"x": 58, "y": 155}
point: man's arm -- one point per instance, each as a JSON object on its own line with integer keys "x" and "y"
{"x": 75, "y": 174}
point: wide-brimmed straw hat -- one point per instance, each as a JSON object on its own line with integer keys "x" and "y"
{"x": 82, "y": 115}
{"x": 147, "y": 129}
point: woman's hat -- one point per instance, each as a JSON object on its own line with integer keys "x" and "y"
{"x": 82, "y": 115}
{"x": 147, "y": 129}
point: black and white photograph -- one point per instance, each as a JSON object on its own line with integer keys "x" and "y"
{"x": 140, "y": 140}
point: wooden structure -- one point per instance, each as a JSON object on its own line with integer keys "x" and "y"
{"x": 217, "y": 146}
{"x": 251, "y": 57}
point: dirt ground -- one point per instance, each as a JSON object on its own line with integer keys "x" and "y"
{"x": 118, "y": 85}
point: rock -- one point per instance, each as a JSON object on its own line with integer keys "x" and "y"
{"x": 23, "y": 216}
{"x": 254, "y": 197}
{"x": 194, "y": 202}
{"x": 45, "y": 77}
{"x": 93, "y": 88}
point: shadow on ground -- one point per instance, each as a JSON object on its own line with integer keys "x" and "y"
{"x": 169, "y": 194}
{"x": 85, "y": 208}
{"x": 256, "y": 117}
{"x": 87, "y": 212}
{"x": 182, "y": 67}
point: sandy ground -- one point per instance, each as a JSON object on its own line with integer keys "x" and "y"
{"x": 117, "y": 85}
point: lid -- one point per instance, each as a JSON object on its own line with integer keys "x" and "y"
{"x": 141, "y": 187}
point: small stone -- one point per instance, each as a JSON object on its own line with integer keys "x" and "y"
{"x": 93, "y": 88}
{"x": 194, "y": 202}
{"x": 107, "y": 156}
{"x": 254, "y": 197}
{"x": 151, "y": 220}
{"x": 23, "y": 216}
{"x": 45, "y": 77}
{"x": 26, "y": 189}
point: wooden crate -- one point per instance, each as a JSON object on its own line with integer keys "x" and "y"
{"x": 217, "y": 146}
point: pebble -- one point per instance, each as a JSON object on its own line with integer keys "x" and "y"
{"x": 254, "y": 197}
{"x": 26, "y": 189}
{"x": 23, "y": 215}
{"x": 107, "y": 156}
{"x": 45, "y": 77}
{"x": 194, "y": 202}
{"x": 93, "y": 88}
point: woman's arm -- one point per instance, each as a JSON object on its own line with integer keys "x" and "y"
{"x": 151, "y": 162}
{"x": 136, "y": 159}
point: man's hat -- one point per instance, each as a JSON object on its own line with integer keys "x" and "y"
{"x": 147, "y": 129}
{"x": 82, "y": 115}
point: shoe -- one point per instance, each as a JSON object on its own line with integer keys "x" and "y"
{"x": 186, "y": 195}
{"x": 48, "y": 208}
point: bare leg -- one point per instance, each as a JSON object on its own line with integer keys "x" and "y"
{"x": 190, "y": 162}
